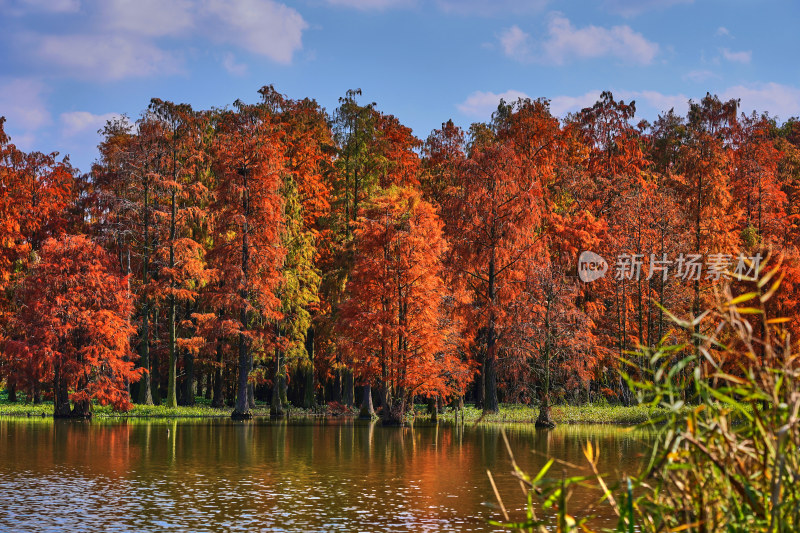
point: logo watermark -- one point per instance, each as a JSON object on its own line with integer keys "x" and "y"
{"x": 687, "y": 267}
{"x": 591, "y": 267}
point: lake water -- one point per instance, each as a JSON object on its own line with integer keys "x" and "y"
{"x": 328, "y": 475}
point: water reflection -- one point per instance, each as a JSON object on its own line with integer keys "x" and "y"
{"x": 206, "y": 475}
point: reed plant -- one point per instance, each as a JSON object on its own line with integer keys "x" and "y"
{"x": 726, "y": 453}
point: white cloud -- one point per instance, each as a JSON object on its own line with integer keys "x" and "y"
{"x": 481, "y": 104}
{"x": 126, "y": 38}
{"x": 631, "y": 8}
{"x": 149, "y": 17}
{"x": 22, "y": 7}
{"x": 230, "y": 64}
{"x": 263, "y": 27}
{"x": 774, "y": 98}
{"x": 659, "y": 101}
{"x": 564, "y": 43}
{"x": 106, "y": 57}
{"x": 24, "y": 141}
{"x": 78, "y": 122}
{"x": 561, "y": 105}
{"x": 722, "y": 31}
{"x": 778, "y": 100}
{"x": 486, "y": 8}
{"x": 490, "y": 8}
{"x": 737, "y": 57}
{"x": 366, "y": 5}
{"x": 23, "y": 105}
{"x": 515, "y": 43}
{"x": 699, "y": 76}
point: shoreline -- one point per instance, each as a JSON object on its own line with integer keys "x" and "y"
{"x": 509, "y": 414}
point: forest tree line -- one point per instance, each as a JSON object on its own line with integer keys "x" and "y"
{"x": 274, "y": 251}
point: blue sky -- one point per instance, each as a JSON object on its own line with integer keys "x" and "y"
{"x": 68, "y": 65}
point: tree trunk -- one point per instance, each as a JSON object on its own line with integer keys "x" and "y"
{"x": 394, "y": 411}
{"x": 384, "y": 395}
{"x": 309, "y": 400}
{"x": 61, "y": 407}
{"x": 155, "y": 384}
{"x": 480, "y": 385}
{"x": 82, "y": 409}
{"x": 229, "y": 377}
{"x": 188, "y": 380}
{"x": 218, "y": 401}
{"x": 12, "y": 392}
{"x": 367, "y": 411}
{"x": 284, "y": 390}
{"x": 276, "y": 406}
{"x": 348, "y": 396}
{"x": 145, "y": 392}
{"x": 251, "y": 388}
{"x": 336, "y": 393}
{"x": 172, "y": 378}
{"x": 433, "y": 409}
{"x": 242, "y": 409}
{"x": 490, "y": 403}
{"x": 544, "y": 420}
{"x": 208, "y": 387}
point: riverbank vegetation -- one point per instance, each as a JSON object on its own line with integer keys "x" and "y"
{"x": 508, "y": 414}
{"x": 276, "y": 253}
{"x": 731, "y": 462}
{"x": 560, "y": 414}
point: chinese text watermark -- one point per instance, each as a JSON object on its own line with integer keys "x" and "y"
{"x": 687, "y": 267}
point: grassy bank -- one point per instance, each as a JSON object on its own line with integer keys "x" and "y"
{"x": 562, "y": 414}
{"x": 46, "y": 409}
{"x": 516, "y": 414}
{"x": 201, "y": 409}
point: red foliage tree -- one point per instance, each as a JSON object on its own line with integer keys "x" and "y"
{"x": 180, "y": 258}
{"x": 308, "y": 146}
{"x": 496, "y": 214}
{"x": 756, "y": 183}
{"x": 247, "y": 251}
{"x": 374, "y": 152}
{"x": 37, "y": 193}
{"x": 395, "y": 327}
{"x": 75, "y": 323}
{"x": 130, "y": 188}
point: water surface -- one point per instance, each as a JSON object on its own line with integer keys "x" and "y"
{"x": 329, "y": 475}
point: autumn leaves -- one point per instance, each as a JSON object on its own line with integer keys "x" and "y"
{"x": 270, "y": 251}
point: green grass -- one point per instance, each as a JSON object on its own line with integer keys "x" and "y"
{"x": 202, "y": 409}
{"x": 561, "y": 414}
{"x": 509, "y": 413}
{"x": 23, "y": 409}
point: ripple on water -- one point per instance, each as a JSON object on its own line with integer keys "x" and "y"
{"x": 215, "y": 476}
